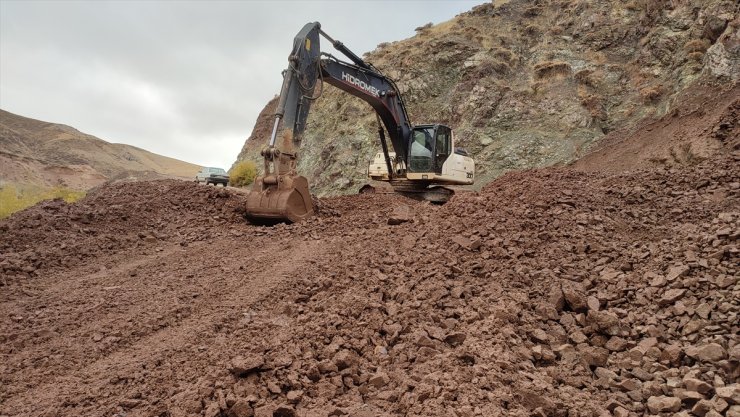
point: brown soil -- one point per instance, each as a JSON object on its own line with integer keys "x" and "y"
{"x": 704, "y": 118}
{"x": 551, "y": 292}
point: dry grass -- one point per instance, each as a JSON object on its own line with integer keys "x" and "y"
{"x": 444, "y": 27}
{"x": 551, "y": 69}
{"x": 533, "y": 30}
{"x": 592, "y": 102}
{"x": 587, "y": 77}
{"x": 556, "y": 30}
{"x": 537, "y": 86}
{"x": 652, "y": 94}
{"x": 689, "y": 156}
{"x": 696, "y": 45}
{"x": 18, "y": 197}
{"x": 650, "y": 8}
{"x": 695, "y": 56}
{"x": 633, "y": 6}
{"x": 532, "y": 11}
{"x": 504, "y": 54}
{"x": 684, "y": 155}
{"x": 488, "y": 68}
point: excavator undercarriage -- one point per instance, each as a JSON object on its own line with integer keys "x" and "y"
{"x": 437, "y": 194}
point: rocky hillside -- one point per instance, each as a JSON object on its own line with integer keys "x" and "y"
{"x": 49, "y": 154}
{"x": 528, "y": 84}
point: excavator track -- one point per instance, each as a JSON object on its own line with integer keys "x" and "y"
{"x": 438, "y": 194}
{"x": 435, "y": 195}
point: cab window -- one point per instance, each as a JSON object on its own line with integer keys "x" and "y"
{"x": 443, "y": 141}
{"x": 442, "y": 146}
{"x": 421, "y": 154}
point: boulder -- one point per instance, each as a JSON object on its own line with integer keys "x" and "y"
{"x": 663, "y": 404}
{"x": 730, "y": 393}
{"x": 241, "y": 408}
{"x": 575, "y": 299}
{"x": 671, "y": 296}
{"x": 400, "y": 214}
{"x": 241, "y": 366}
{"x": 697, "y": 385}
{"x": 710, "y": 352}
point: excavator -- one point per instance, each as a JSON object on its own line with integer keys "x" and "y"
{"x": 424, "y": 162}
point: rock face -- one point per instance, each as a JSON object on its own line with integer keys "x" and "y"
{"x": 524, "y": 85}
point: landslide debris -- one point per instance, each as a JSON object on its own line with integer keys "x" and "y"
{"x": 588, "y": 294}
{"x": 526, "y": 84}
{"x": 705, "y": 120}
{"x": 110, "y": 219}
{"x": 550, "y": 292}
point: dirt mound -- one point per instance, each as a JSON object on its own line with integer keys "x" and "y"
{"x": 705, "y": 120}
{"x": 54, "y": 234}
{"x": 550, "y": 292}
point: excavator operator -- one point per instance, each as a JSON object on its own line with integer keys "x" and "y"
{"x": 422, "y": 145}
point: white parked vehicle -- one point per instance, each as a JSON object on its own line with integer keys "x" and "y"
{"x": 215, "y": 176}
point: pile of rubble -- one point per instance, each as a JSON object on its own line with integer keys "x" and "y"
{"x": 551, "y": 292}
{"x": 112, "y": 218}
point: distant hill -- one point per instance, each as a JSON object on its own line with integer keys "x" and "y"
{"x": 49, "y": 154}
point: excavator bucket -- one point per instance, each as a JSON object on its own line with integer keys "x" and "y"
{"x": 279, "y": 198}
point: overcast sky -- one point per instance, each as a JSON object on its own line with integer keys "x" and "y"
{"x": 184, "y": 79}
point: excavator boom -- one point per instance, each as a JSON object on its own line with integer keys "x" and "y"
{"x": 280, "y": 194}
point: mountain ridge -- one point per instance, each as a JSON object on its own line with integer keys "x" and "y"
{"x": 51, "y": 154}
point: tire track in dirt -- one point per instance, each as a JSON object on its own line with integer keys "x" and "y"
{"x": 90, "y": 368}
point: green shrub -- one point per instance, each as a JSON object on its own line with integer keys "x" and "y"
{"x": 242, "y": 174}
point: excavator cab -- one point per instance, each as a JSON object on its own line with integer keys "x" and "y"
{"x": 429, "y": 149}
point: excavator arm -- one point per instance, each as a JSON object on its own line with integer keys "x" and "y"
{"x": 378, "y": 91}
{"x": 280, "y": 194}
